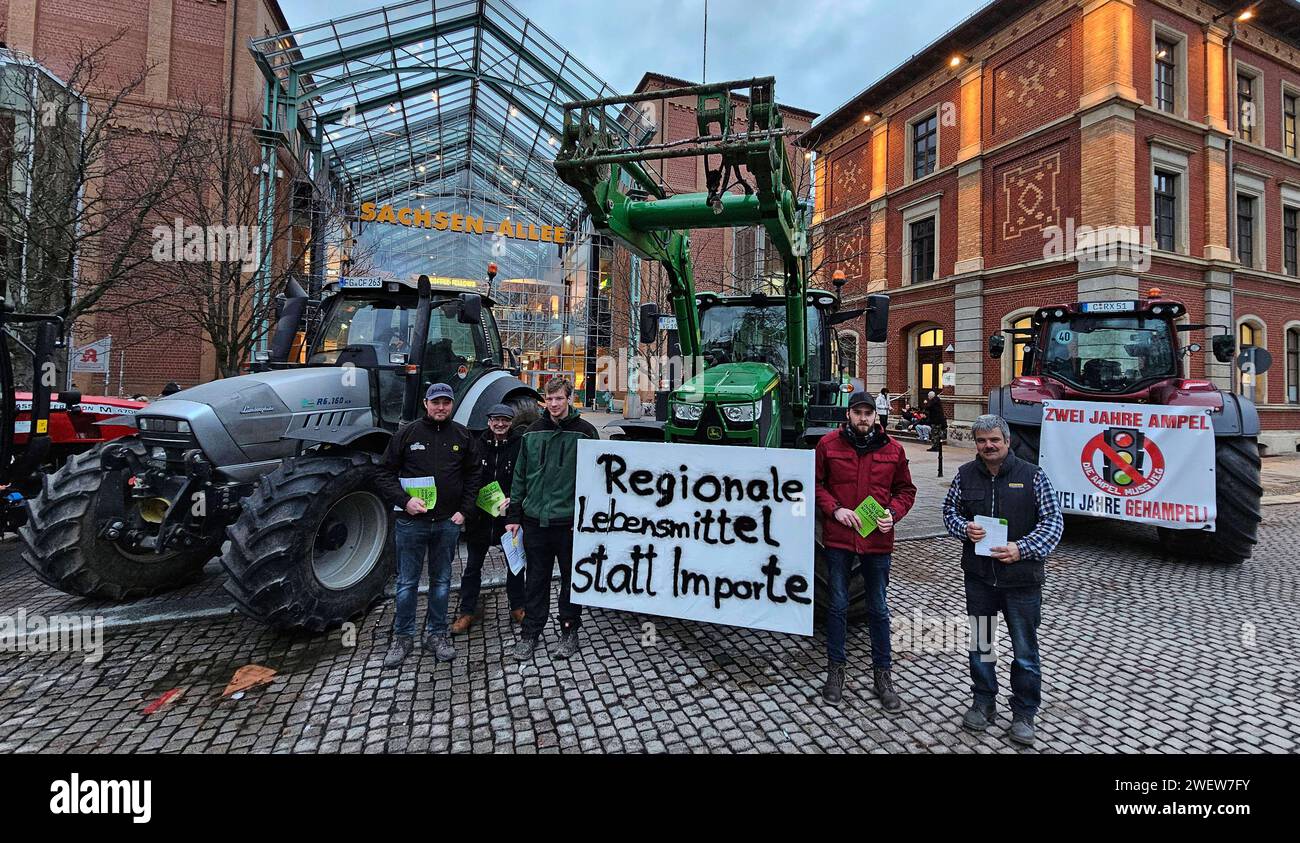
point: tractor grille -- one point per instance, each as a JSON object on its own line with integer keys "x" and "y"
{"x": 710, "y": 419}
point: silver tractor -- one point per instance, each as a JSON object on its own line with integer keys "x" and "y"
{"x": 274, "y": 471}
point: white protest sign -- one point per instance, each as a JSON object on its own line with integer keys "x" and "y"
{"x": 1135, "y": 462}
{"x": 713, "y": 533}
{"x": 94, "y": 357}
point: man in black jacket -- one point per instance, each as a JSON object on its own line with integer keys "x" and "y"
{"x": 429, "y": 472}
{"x": 497, "y": 449}
{"x": 1009, "y": 578}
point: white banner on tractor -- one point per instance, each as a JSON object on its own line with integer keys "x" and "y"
{"x": 1134, "y": 462}
{"x": 715, "y": 533}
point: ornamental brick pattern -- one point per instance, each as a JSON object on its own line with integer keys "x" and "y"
{"x": 1029, "y": 197}
{"x": 1032, "y": 88}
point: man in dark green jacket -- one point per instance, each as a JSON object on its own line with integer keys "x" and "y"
{"x": 541, "y": 504}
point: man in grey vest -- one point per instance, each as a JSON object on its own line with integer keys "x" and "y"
{"x": 1009, "y": 579}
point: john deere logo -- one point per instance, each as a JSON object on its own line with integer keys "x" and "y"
{"x": 715, "y": 433}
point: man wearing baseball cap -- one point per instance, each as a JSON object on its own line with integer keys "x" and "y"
{"x": 497, "y": 449}
{"x": 857, "y": 462}
{"x": 429, "y": 473}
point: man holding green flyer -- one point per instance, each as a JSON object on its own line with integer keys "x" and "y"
{"x": 497, "y": 448}
{"x": 864, "y": 487}
{"x": 429, "y": 473}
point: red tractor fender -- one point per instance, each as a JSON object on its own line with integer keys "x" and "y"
{"x": 76, "y": 428}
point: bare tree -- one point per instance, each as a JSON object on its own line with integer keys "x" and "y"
{"x": 216, "y": 279}
{"x": 86, "y": 171}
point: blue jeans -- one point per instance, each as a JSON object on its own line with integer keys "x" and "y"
{"x": 1022, "y": 608}
{"x": 875, "y": 576}
{"x": 415, "y": 538}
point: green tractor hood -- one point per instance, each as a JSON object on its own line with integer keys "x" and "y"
{"x": 729, "y": 383}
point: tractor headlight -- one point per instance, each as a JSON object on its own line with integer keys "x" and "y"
{"x": 182, "y": 427}
{"x": 142, "y": 424}
{"x": 743, "y": 412}
{"x": 688, "y": 412}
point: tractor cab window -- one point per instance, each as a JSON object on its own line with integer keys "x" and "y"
{"x": 493, "y": 337}
{"x": 1109, "y": 354}
{"x": 451, "y": 350}
{"x": 748, "y": 333}
{"x": 384, "y": 325}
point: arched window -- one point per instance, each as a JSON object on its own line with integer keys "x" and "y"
{"x": 929, "y": 362}
{"x": 1012, "y": 362}
{"x": 1293, "y": 365}
{"x": 1250, "y": 332}
{"x": 1018, "y": 358}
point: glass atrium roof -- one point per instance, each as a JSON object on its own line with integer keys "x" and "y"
{"x": 449, "y": 104}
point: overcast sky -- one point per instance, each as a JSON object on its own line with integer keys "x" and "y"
{"x": 821, "y": 52}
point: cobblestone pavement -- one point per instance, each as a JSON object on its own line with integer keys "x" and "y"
{"x": 1140, "y": 654}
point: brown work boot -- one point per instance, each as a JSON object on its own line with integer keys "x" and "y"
{"x": 462, "y": 624}
{"x": 516, "y": 615}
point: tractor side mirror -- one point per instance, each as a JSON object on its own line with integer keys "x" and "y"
{"x": 649, "y": 322}
{"x": 471, "y": 309}
{"x": 878, "y": 318}
{"x": 1225, "y": 347}
{"x": 997, "y": 345}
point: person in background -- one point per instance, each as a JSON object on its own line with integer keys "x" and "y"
{"x": 439, "y": 453}
{"x": 853, "y": 463}
{"x": 882, "y": 408}
{"x": 497, "y": 449}
{"x": 541, "y": 503}
{"x": 935, "y": 418}
{"x": 998, "y": 484}
{"x": 905, "y": 420}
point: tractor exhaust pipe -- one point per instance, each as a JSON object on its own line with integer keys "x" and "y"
{"x": 415, "y": 368}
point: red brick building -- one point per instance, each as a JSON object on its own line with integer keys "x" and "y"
{"x": 198, "y": 49}
{"x": 942, "y": 183}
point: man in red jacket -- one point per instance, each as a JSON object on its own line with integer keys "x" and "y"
{"x": 853, "y": 463}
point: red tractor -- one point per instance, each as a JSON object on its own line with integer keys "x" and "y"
{"x": 37, "y": 431}
{"x": 1128, "y": 352}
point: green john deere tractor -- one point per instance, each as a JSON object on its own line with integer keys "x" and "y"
{"x": 768, "y": 364}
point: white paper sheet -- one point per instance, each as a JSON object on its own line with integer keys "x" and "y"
{"x": 514, "y": 550}
{"x": 995, "y": 535}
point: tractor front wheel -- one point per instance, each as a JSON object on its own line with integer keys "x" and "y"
{"x": 63, "y": 545}
{"x": 1025, "y": 441}
{"x": 313, "y": 545}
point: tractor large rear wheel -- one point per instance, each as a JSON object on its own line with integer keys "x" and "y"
{"x": 526, "y": 411}
{"x": 313, "y": 545}
{"x": 64, "y": 548}
{"x": 1237, "y": 497}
